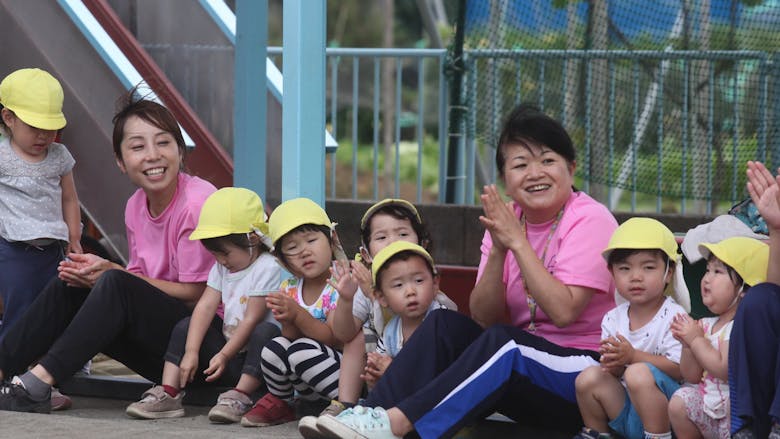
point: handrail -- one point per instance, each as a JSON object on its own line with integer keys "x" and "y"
{"x": 208, "y": 159}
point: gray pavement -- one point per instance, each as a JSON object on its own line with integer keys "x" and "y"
{"x": 101, "y": 418}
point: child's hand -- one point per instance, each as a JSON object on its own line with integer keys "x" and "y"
{"x": 74, "y": 246}
{"x": 376, "y": 365}
{"x": 685, "y": 329}
{"x": 187, "y": 368}
{"x": 616, "y": 351}
{"x": 217, "y": 365}
{"x": 362, "y": 275}
{"x": 283, "y": 307}
{"x": 342, "y": 279}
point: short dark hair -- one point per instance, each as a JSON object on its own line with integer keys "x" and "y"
{"x": 241, "y": 240}
{"x": 401, "y": 256}
{"x": 527, "y": 125}
{"x": 325, "y": 230}
{"x": 621, "y": 254}
{"x": 400, "y": 213}
{"x": 130, "y": 104}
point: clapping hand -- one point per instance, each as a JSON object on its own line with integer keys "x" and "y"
{"x": 685, "y": 329}
{"x": 499, "y": 219}
{"x": 342, "y": 278}
{"x": 765, "y": 192}
{"x": 283, "y": 307}
{"x": 616, "y": 351}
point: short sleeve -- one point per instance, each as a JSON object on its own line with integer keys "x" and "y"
{"x": 266, "y": 276}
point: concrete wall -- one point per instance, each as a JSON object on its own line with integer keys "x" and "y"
{"x": 456, "y": 230}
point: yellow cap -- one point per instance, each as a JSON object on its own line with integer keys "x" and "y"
{"x": 294, "y": 213}
{"x": 393, "y": 249}
{"x": 388, "y": 202}
{"x": 641, "y": 233}
{"x": 747, "y": 256}
{"x": 230, "y": 210}
{"x": 35, "y": 97}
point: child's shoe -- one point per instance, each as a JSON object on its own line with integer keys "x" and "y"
{"x": 358, "y": 421}
{"x": 589, "y": 433}
{"x": 14, "y": 397}
{"x": 268, "y": 410}
{"x": 307, "y": 426}
{"x": 775, "y": 432}
{"x": 59, "y": 401}
{"x": 231, "y": 406}
{"x": 156, "y": 404}
{"x": 746, "y": 432}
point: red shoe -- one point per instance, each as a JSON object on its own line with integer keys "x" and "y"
{"x": 268, "y": 410}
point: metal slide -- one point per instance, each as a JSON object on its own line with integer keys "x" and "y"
{"x": 39, "y": 33}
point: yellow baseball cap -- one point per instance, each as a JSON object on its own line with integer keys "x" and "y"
{"x": 388, "y": 202}
{"x": 747, "y": 256}
{"x": 35, "y": 97}
{"x": 294, "y": 213}
{"x": 393, "y": 249}
{"x": 230, "y": 210}
{"x": 640, "y": 233}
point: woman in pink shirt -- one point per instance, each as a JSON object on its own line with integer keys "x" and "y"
{"x": 541, "y": 292}
{"x": 99, "y": 306}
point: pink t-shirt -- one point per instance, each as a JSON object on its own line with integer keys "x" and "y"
{"x": 574, "y": 258}
{"x": 160, "y": 247}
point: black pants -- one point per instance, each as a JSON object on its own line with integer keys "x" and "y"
{"x": 122, "y": 316}
{"x": 247, "y": 362}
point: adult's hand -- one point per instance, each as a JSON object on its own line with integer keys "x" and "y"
{"x": 499, "y": 219}
{"x": 83, "y": 269}
{"x": 765, "y": 192}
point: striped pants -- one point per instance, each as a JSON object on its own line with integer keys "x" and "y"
{"x": 503, "y": 369}
{"x": 304, "y": 365}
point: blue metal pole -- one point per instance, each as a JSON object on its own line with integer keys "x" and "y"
{"x": 249, "y": 125}
{"x": 303, "y": 104}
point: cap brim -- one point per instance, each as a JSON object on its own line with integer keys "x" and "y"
{"x": 41, "y": 122}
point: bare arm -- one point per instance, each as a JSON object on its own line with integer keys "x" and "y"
{"x": 83, "y": 270}
{"x": 71, "y": 212}
{"x": 764, "y": 190}
{"x": 487, "y": 301}
{"x": 689, "y": 367}
{"x": 255, "y": 312}
{"x": 202, "y": 316}
{"x": 345, "y": 324}
{"x": 713, "y": 361}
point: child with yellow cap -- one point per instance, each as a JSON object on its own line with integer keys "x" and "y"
{"x": 222, "y": 345}
{"x": 41, "y": 218}
{"x": 733, "y": 266}
{"x": 305, "y": 358}
{"x": 639, "y": 371}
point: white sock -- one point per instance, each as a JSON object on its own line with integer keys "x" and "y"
{"x": 667, "y": 435}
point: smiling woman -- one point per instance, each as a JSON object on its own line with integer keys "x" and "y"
{"x": 98, "y": 306}
{"x": 542, "y": 290}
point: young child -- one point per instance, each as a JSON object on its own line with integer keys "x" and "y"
{"x": 733, "y": 266}
{"x": 39, "y": 207}
{"x": 405, "y": 281}
{"x": 305, "y": 359}
{"x": 640, "y": 359}
{"x": 224, "y": 350}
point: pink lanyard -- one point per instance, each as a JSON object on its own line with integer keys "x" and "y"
{"x": 528, "y": 297}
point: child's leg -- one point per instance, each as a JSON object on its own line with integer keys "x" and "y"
{"x": 353, "y": 362}
{"x": 277, "y": 373}
{"x": 251, "y": 372}
{"x": 317, "y": 366}
{"x": 650, "y": 390}
{"x": 685, "y": 405}
{"x": 25, "y": 272}
{"x": 600, "y": 397}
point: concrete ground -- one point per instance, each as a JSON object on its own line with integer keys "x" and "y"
{"x": 100, "y": 418}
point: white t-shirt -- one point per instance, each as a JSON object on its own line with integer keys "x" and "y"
{"x": 262, "y": 277}
{"x": 654, "y": 338}
{"x": 715, "y": 391}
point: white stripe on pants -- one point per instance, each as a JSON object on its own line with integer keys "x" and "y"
{"x": 304, "y": 365}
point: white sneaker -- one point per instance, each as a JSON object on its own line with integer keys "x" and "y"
{"x": 357, "y": 423}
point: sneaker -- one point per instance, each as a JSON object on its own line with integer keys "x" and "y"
{"x": 156, "y": 404}
{"x": 307, "y": 426}
{"x": 59, "y": 401}
{"x": 589, "y": 433}
{"x": 231, "y": 406}
{"x": 746, "y": 432}
{"x": 775, "y": 432}
{"x": 357, "y": 422}
{"x": 268, "y": 410}
{"x": 14, "y": 397}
